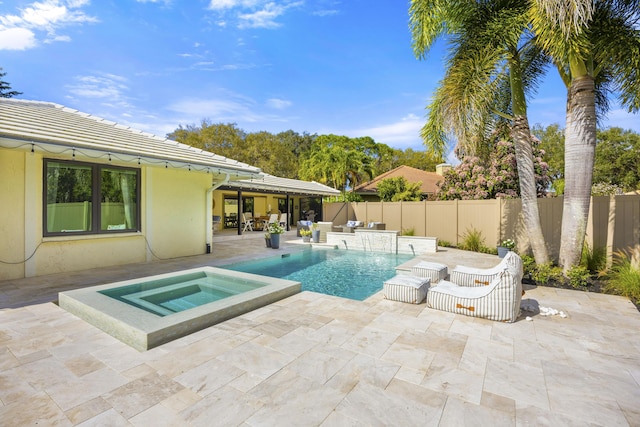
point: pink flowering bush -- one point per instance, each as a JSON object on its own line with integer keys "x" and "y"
{"x": 475, "y": 178}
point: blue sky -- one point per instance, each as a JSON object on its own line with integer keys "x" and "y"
{"x": 317, "y": 66}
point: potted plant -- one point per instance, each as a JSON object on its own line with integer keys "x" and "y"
{"x": 275, "y": 231}
{"x": 267, "y": 239}
{"x": 505, "y": 246}
{"x": 306, "y": 235}
{"x": 315, "y": 233}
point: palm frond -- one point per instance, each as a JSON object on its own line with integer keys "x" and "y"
{"x": 569, "y": 16}
{"x": 430, "y": 19}
{"x": 615, "y": 35}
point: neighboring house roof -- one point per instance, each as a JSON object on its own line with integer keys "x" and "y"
{"x": 270, "y": 183}
{"x": 428, "y": 179}
{"x": 52, "y": 127}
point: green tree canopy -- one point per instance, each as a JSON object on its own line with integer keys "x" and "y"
{"x": 552, "y": 145}
{"x": 338, "y": 161}
{"x": 617, "y": 159}
{"x": 399, "y": 189}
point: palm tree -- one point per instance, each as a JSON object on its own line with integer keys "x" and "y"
{"x": 493, "y": 63}
{"x": 339, "y": 161}
{"x": 595, "y": 45}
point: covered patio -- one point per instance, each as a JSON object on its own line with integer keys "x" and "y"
{"x": 264, "y": 195}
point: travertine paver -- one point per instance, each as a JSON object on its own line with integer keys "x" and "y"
{"x": 314, "y": 359}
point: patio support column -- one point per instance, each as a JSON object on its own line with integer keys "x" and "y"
{"x": 209, "y": 207}
{"x": 239, "y": 217}
{"x": 288, "y": 213}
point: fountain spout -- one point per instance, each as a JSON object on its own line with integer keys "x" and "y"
{"x": 412, "y": 250}
{"x": 345, "y": 244}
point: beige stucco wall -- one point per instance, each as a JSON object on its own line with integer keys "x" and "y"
{"x": 12, "y": 217}
{"x": 174, "y": 213}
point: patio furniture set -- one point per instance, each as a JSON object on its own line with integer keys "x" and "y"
{"x": 493, "y": 293}
{"x": 261, "y": 222}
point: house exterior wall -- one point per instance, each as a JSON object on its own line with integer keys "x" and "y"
{"x": 173, "y": 206}
{"x": 175, "y": 212}
{"x": 12, "y": 213}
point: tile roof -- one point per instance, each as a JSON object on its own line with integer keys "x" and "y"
{"x": 55, "y": 128}
{"x": 428, "y": 179}
{"x": 272, "y": 183}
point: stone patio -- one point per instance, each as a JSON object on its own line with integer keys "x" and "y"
{"x": 314, "y": 359}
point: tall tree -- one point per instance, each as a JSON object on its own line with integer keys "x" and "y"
{"x": 5, "y": 88}
{"x": 552, "y": 146}
{"x": 423, "y": 160}
{"x": 339, "y": 161}
{"x": 478, "y": 178}
{"x": 223, "y": 139}
{"x": 617, "y": 160}
{"x": 595, "y": 45}
{"x": 493, "y": 63}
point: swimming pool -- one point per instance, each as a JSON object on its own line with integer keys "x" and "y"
{"x": 348, "y": 274}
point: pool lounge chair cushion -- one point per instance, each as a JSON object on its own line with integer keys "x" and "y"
{"x": 468, "y": 276}
{"x": 405, "y": 288}
{"x": 433, "y": 270}
{"x": 351, "y": 226}
{"x": 500, "y": 300}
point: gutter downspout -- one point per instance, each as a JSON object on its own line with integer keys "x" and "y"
{"x": 208, "y": 204}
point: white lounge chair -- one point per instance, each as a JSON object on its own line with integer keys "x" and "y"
{"x": 468, "y": 276}
{"x": 499, "y": 300}
{"x": 283, "y": 220}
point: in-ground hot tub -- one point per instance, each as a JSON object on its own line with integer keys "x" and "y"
{"x": 151, "y": 311}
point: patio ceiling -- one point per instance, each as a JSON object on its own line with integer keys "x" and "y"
{"x": 53, "y": 128}
{"x": 273, "y": 184}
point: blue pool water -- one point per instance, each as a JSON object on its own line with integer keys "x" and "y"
{"x": 348, "y": 274}
{"x": 180, "y": 292}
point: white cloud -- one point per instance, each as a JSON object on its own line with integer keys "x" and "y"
{"x": 278, "y": 104}
{"x": 215, "y": 109}
{"x": 253, "y": 13}
{"x": 224, "y": 107}
{"x": 110, "y": 88}
{"x": 230, "y": 4}
{"x": 326, "y": 12}
{"x": 622, "y": 119}
{"x": 17, "y": 39}
{"x": 48, "y": 17}
{"x": 264, "y": 18}
{"x": 58, "y": 39}
{"x": 404, "y": 133}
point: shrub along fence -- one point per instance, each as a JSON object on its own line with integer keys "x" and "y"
{"x": 614, "y": 222}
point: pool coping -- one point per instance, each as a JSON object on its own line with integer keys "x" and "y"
{"x": 143, "y": 330}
